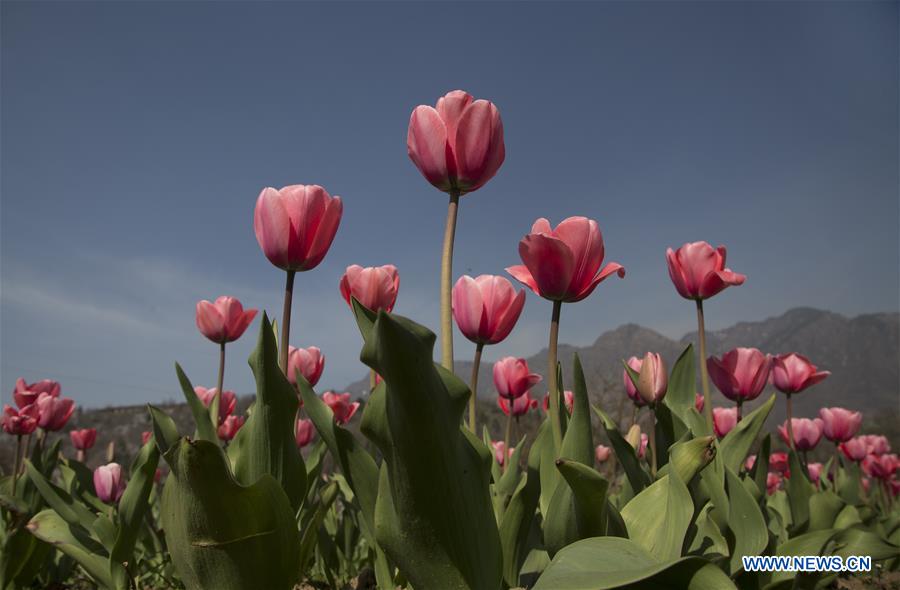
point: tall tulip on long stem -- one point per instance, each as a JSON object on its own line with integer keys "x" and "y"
{"x": 792, "y": 373}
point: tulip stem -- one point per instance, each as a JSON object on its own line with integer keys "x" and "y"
{"x": 790, "y": 422}
{"x": 80, "y": 456}
{"x": 473, "y": 398}
{"x": 704, "y": 374}
{"x": 835, "y": 466}
{"x": 507, "y": 436}
{"x": 652, "y": 435}
{"x": 555, "y": 423}
{"x": 214, "y": 404}
{"x": 18, "y": 463}
{"x": 740, "y": 411}
{"x": 286, "y": 320}
{"x": 446, "y": 280}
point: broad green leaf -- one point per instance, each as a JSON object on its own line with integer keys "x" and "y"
{"x": 133, "y": 504}
{"x": 806, "y": 544}
{"x": 706, "y": 538}
{"x": 712, "y": 483}
{"x": 824, "y": 508}
{"x": 760, "y": 470}
{"x": 798, "y": 491}
{"x": 687, "y": 458}
{"x": 736, "y": 445}
{"x": 847, "y": 517}
{"x": 625, "y": 453}
{"x": 748, "y": 527}
{"x": 589, "y": 490}
{"x": 202, "y": 419}
{"x": 310, "y": 531}
{"x": 67, "y": 508}
{"x": 18, "y": 547}
{"x": 849, "y": 483}
{"x": 682, "y": 385}
{"x": 658, "y": 517}
{"x": 520, "y": 512}
{"x": 857, "y": 541}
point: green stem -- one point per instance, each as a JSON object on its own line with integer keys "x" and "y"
{"x": 476, "y": 365}
{"x": 508, "y": 435}
{"x": 552, "y": 362}
{"x": 286, "y": 320}
{"x": 790, "y": 422}
{"x": 17, "y": 463}
{"x": 446, "y": 283}
{"x": 652, "y": 435}
{"x": 704, "y": 374}
{"x": 214, "y": 404}
{"x": 740, "y": 410}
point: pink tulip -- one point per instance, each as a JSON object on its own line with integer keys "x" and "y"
{"x": 520, "y": 405}
{"x": 792, "y": 373}
{"x": 457, "y": 146}
{"x": 698, "y": 270}
{"x": 635, "y": 364}
{"x": 296, "y": 225}
{"x": 22, "y": 421}
{"x": 563, "y": 264}
{"x": 568, "y": 401}
{"x": 653, "y": 380}
{"x": 806, "y": 433}
{"x": 601, "y": 453}
{"x": 374, "y": 286}
{"x": 223, "y": 321}
{"x": 780, "y": 463}
{"x": 501, "y": 453}
{"x": 839, "y": 424}
{"x": 881, "y": 466}
{"x": 773, "y": 482}
{"x": 109, "y": 483}
{"x": 83, "y": 439}
{"x": 27, "y": 393}
{"x": 866, "y": 483}
{"x": 815, "y": 471}
{"x": 876, "y": 444}
{"x": 486, "y": 308}
{"x": 854, "y": 449}
{"x": 340, "y": 405}
{"x": 229, "y": 427}
{"x": 55, "y": 411}
{"x": 895, "y": 487}
{"x": 724, "y": 419}
{"x": 145, "y": 436}
{"x": 304, "y": 432}
{"x": 309, "y": 361}
{"x": 227, "y": 402}
{"x": 741, "y": 374}
{"x": 699, "y": 401}
{"x": 749, "y": 462}
{"x": 642, "y": 450}
{"x": 512, "y": 377}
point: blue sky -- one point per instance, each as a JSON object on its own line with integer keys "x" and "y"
{"x": 136, "y": 137}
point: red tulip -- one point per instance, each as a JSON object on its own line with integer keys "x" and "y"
{"x": 773, "y": 482}
{"x": 374, "y": 286}
{"x": 309, "y": 361}
{"x": 27, "y": 393}
{"x": 227, "y": 401}
{"x": 229, "y": 427}
{"x": 512, "y": 377}
{"x": 457, "y": 146}
{"x": 304, "y": 432}
{"x": 145, "y": 435}
{"x": 724, "y": 419}
{"x": 854, "y": 449}
{"x": 635, "y": 364}
{"x": 520, "y": 405}
{"x": 601, "y": 453}
{"x": 699, "y": 401}
{"x": 296, "y": 225}
{"x": 55, "y": 411}
{"x": 698, "y": 270}
{"x": 20, "y": 422}
{"x": 486, "y": 308}
{"x": 223, "y": 321}
{"x": 109, "y": 483}
{"x": 780, "y": 463}
{"x": 501, "y": 453}
{"x": 815, "y": 471}
{"x": 806, "y": 433}
{"x": 876, "y": 444}
{"x": 653, "y": 380}
{"x": 340, "y": 405}
{"x": 881, "y": 466}
{"x": 83, "y": 439}
{"x": 741, "y": 374}
{"x": 563, "y": 264}
{"x": 839, "y": 424}
{"x": 568, "y": 400}
{"x": 792, "y": 373}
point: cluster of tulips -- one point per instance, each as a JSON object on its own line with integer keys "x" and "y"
{"x": 413, "y": 495}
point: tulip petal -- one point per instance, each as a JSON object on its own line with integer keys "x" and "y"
{"x": 468, "y": 307}
{"x": 676, "y": 273}
{"x": 272, "y": 227}
{"x": 210, "y": 322}
{"x": 427, "y": 146}
{"x": 583, "y": 237}
{"x": 505, "y": 323}
{"x": 521, "y": 273}
{"x": 450, "y": 107}
{"x": 478, "y": 147}
{"x": 550, "y": 262}
{"x": 612, "y": 267}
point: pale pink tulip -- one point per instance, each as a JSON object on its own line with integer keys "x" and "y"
{"x": 839, "y": 424}
{"x": 457, "y": 146}
{"x": 340, "y": 405}
{"x": 520, "y": 405}
{"x": 501, "y": 453}
{"x": 724, "y": 419}
{"x": 27, "y": 393}
{"x": 568, "y": 401}
{"x": 854, "y": 449}
{"x": 22, "y": 421}
{"x": 227, "y": 401}
{"x": 304, "y": 432}
{"x": 815, "y": 471}
{"x": 486, "y": 308}
{"x": 806, "y": 433}
{"x": 229, "y": 427}
{"x": 309, "y": 361}
{"x": 563, "y": 264}
{"x": 55, "y": 411}
{"x": 741, "y": 374}
{"x": 635, "y": 364}
{"x": 83, "y": 439}
{"x": 876, "y": 444}
{"x": 375, "y": 287}
{"x": 296, "y": 225}
{"x": 792, "y": 373}
{"x": 653, "y": 380}
{"x": 223, "y": 321}
{"x": 698, "y": 270}
{"x": 512, "y": 377}
{"x": 109, "y": 483}
{"x": 749, "y": 462}
{"x": 642, "y": 450}
{"x": 601, "y": 453}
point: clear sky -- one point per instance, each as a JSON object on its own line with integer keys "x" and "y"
{"x": 137, "y": 136}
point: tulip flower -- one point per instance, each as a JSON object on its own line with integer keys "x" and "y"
{"x": 568, "y": 401}
{"x": 309, "y": 361}
{"x": 295, "y": 227}
{"x": 512, "y": 378}
{"x": 792, "y": 373}
{"x": 223, "y": 321}
{"x": 653, "y": 380}
{"x": 564, "y": 264}
{"x": 485, "y": 309}
{"x": 780, "y": 463}
{"x": 876, "y": 444}
{"x": 881, "y": 466}
{"x": 375, "y": 287}
{"x": 773, "y": 482}
{"x": 854, "y": 449}
{"x": 26, "y": 394}
{"x": 749, "y": 462}
{"x": 83, "y": 440}
{"x": 642, "y": 450}
{"x": 227, "y": 401}
{"x": 229, "y": 427}
{"x": 838, "y": 424}
{"x": 601, "y": 453}
{"x": 304, "y": 432}
{"x": 145, "y": 436}
{"x": 741, "y": 374}
{"x": 630, "y": 388}
{"x": 340, "y": 405}
{"x": 20, "y": 422}
{"x": 520, "y": 405}
{"x": 724, "y": 419}
{"x": 109, "y": 483}
{"x": 502, "y": 452}
{"x": 815, "y": 472}
{"x": 54, "y": 411}
{"x": 806, "y": 433}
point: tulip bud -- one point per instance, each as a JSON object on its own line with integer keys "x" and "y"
{"x": 653, "y": 379}
{"x": 223, "y": 321}
{"x": 601, "y": 453}
{"x": 689, "y": 458}
{"x": 375, "y": 287}
{"x": 109, "y": 483}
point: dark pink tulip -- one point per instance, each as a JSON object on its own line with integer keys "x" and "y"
{"x": 457, "y": 146}
{"x": 304, "y": 432}
{"x": 563, "y": 264}
{"x": 229, "y": 427}
{"x": 21, "y": 421}
{"x": 806, "y": 433}
{"x": 227, "y": 401}
{"x": 653, "y": 380}
{"x": 876, "y": 444}
{"x": 83, "y": 439}
{"x": 724, "y": 419}
{"x": 486, "y": 308}
{"x": 601, "y": 453}
{"x": 55, "y": 411}
{"x": 296, "y": 225}
{"x": 792, "y": 373}
{"x": 520, "y": 405}
{"x": 568, "y": 401}
{"x": 839, "y": 424}
{"x": 698, "y": 270}
{"x": 815, "y": 471}
{"x": 780, "y": 463}
{"x": 109, "y": 483}
{"x": 773, "y": 482}
{"x": 699, "y": 401}
{"x": 309, "y": 361}
{"x": 145, "y": 436}
{"x": 374, "y": 286}
{"x": 27, "y": 393}
{"x": 501, "y": 453}
{"x": 512, "y": 377}
{"x": 340, "y": 405}
{"x": 223, "y": 321}
{"x": 881, "y": 466}
{"x": 854, "y": 449}
{"x": 635, "y": 364}
{"x": 741, "y": 374}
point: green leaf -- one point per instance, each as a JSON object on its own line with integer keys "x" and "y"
{"x": 202, "y": 419}
{"x": 682, "y": 386}
{"x": 688, "y": 458}
{"x": 736, "y": 445}
{"x": 706, "y": 538}
{"x": 658, "y": 517}
{"x": 310, "y": 532}
{"x": 745, "y": 521}
{"x": 267, "y": 441}
{"x": 799, "y": 491}
{"x": 589, "y": 490}
{"x": 625, "y": 453}
{"x": 806, "y": 544}
{"x": 760, "y": 470}
{"x": 434, "y": 516}
{"x": 604, "y": 563}
{"x": 519, "y": 514}
{"x": 856, "y": 541}
{"x": 824, "y": 508}
{"x": 133, "y": 504}
{"x": 66, "y": 507}
{"x": 847, "y": 517}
